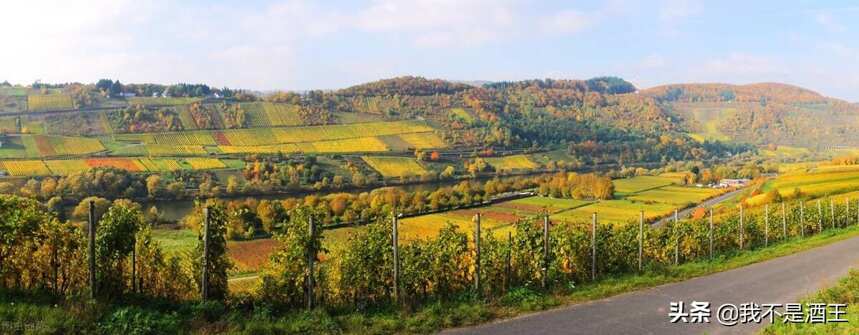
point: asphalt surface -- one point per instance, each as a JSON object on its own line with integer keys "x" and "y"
{"x": 781, "y": 280}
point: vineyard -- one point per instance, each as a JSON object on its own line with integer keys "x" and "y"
{"x": 157, "y": 101}
{"x": 422, "y": 141}
{"x": 395, "y": 166}
{"x": 640, "y": 183}
{"x": 205, "y": 163}
{"x": 675, "y": 195}
{"x": 174, "y": 150}
{"x": 515, "y": 162}
{"x": 267, "y": 114}
{"x": 26, "y": 168}
{"x": 49, "y": 102}
{"x": 817, "y": 182}
{"x": 66, "y": 167}
{"x": 512, "y": 236}
{"x": 50, "y": 146}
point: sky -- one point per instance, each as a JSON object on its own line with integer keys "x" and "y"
{"x": 303, "y": 44}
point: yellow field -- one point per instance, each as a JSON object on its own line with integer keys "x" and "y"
{"x": 169, "y": 150}
{"x": 26, "y": 168}
{"x": 640, "y": 183}
{"x": 362, "y": 144}
{"x": 49, "y": 102}
{"x": 281, "y": 114}
{"x": 343, "y": 131}
{"x": 66, "y": 167}
{"x": 75, "y": 145}
{"x": 205, "y": 163}
{"x": 184, "y": 138}
{"x": 676, "y": 177}
{"x": 821, "y": 181}
{"x": 675, "y": 195}
{"x": 160, "y": 165}
{"x": 515, "y": 162}
{"x": 243, "y": 137}
{"x": 422, "y": 141}
{"x": 785, "y": 152}
{"x": 615, "y": 211}
{"x": 261, "y": 149}
{"x": 395, "y": 166}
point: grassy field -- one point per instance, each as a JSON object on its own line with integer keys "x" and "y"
{"x": 706, "y": 121}
{"x": 395, "y": 166}
{"x": 675, "y": 195}
{"x": 421, "y": 141}
{"x": 514, "y": 162}
{"x": 536, "y": 205}
{"x": 49, "y": 102}
{"x": 615, "y": 211}
{"x": 640, "y": 183}
{"x": 784, "y": 151}
{"x": 845, "y": 292}
{"x": 460, "y": 114}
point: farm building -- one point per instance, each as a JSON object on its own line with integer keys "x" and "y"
{"x": 725, "y": 183}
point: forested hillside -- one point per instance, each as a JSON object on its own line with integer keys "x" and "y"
{"x": 766, "y": 113}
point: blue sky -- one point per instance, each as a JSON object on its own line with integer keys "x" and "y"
{"x": 303, "y": 44}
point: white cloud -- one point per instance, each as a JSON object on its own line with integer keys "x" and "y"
{"x": 568, "y": 22}
{"x": 441, "y": 23}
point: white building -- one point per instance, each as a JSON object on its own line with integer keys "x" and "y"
{"x": 726, "y": 183}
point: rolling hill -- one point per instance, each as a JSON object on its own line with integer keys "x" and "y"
{"x": 764, "y": 113}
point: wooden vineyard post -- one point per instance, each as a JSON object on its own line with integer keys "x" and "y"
{"x": 741, "y": 226}
{"x": 477, "y": 254}
{"x": 594, "y": 247}
{"x": 710, "y": 233}
{"x": 545, "y": 268}
{"x": 507, "y": 260}
{"x": 783, "y": 222}
{"x": 832, "y": 212}
{"x": 91, "y": 249}
{"x": 640, "y": 238}
{"x": 676, "y": 239}
{"x": 819, "y": 216}
{"x": 766, "y": 225}
{"x": 311, "y": 258}
{"x": 395, "y": 247}
{"x": 204, "y": 281}
{"x": 801, "y": 219}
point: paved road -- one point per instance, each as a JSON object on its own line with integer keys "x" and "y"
{"x": 707, "y": 203}
{"x": 780, "y": 280}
